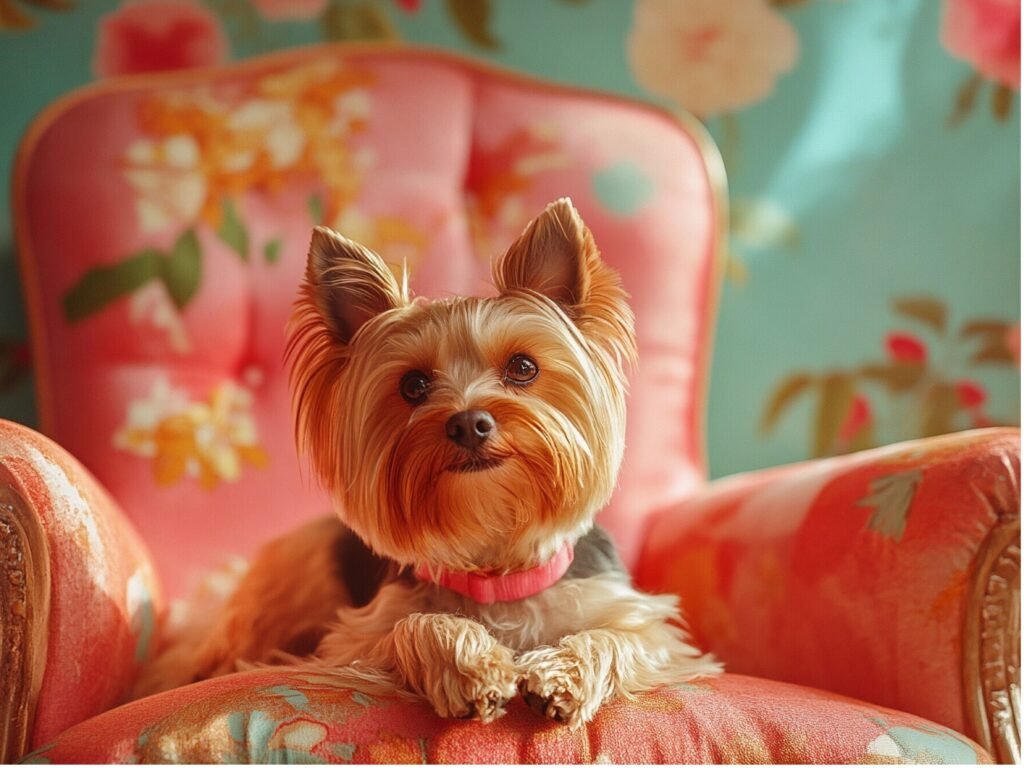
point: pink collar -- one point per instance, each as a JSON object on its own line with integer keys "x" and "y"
{"x": 503, "y": 588}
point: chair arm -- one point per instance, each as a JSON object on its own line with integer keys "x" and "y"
{"x": 78, "y": 596}
{"x": 891, "y": 575}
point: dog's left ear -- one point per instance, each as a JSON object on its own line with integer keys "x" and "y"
{"x": 556, "y": 256}
{"x": 551, "y": 257}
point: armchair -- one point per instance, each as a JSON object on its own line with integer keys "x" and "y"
{"x": 162, "y": 224}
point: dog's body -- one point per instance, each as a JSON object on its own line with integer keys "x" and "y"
{"x": 462, "y": 440}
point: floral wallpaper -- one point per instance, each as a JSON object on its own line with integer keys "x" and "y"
{"x": 872, "y": 281}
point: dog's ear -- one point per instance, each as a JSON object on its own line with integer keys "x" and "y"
{"x": 349, "y": 283}
{"x": 552, "y": 257}
{"x": 556, "y": 256}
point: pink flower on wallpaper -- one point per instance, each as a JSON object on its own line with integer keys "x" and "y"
{"x": 905, "y": 347}
{"x": 409, "y": 6}
{"x": 858, "y": 417}
{"x": 710, "y": 56}
{"x": 281, "y": 10}
{"x": 985, "y": 33}
{"x": 157, "y": 35}
{"x": 970, "y": 394}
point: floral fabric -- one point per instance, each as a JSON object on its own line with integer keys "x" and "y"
{"x": 303, "y": 716}
{"x": 161, "y": 303}
{"x": 104, "y": 595}
{"x": 851, "y": 574}
{"x": 872, "y": 146}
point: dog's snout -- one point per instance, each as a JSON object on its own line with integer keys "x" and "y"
{"x": 470, "y": 429}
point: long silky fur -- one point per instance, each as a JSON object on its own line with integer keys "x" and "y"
{"x": 396, "y": 482}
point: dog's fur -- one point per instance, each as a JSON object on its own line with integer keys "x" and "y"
{"x": 411, "y": 498}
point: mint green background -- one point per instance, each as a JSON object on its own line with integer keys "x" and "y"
{"x": 853, "y": 145}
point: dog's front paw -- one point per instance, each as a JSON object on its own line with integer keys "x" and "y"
{"x": 455, "y": 664}
{"x": 477, "y": 686}
{"x": 557, "y": 685}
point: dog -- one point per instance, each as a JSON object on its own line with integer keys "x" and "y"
{"x": 467, "y": 444}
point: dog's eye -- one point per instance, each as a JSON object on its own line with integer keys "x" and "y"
{"x": 414, "y": 387}
{"x": 521, "y": 370}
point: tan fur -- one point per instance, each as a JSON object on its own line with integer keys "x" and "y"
{"x": 283, "y": 603}
{"x": 393, "y": 475}
{"x": 631, "y": 644}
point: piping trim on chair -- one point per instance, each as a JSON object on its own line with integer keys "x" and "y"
{"x": 992, "y": 643}
{"x": 24, "y": 618}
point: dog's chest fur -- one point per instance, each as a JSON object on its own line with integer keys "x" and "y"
{"x": 594, "y": 593}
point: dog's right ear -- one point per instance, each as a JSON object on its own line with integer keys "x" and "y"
{"x": 349, "y": 283}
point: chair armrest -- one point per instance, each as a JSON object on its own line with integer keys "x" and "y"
{"x": 78, "y": 595}
{"x": 891, "y": 575}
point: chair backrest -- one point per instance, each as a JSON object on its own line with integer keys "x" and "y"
{"x": 163, "y": 223}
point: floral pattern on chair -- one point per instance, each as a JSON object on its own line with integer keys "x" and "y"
{"x": 166, "y": 297}
{"x": 303, "y": 715}
{"x": 208, "y": 440}
{"x": 203, "y": 152}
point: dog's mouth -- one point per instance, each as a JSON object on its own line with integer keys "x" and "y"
{"x": 476, "y": 464}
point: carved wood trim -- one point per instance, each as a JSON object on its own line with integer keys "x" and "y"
{"x": 24, "y": 617}
{"x": 992, "y": 644}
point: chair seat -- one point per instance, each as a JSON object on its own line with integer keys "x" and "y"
{"x": 304, "y": 715}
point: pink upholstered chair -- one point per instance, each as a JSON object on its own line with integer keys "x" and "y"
{"x": 162, "y": 225}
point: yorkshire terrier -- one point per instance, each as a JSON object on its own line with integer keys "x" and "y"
{"x": 467, "y": 444}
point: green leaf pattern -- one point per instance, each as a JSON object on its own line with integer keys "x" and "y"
{"x": 928, "y": 393}
{"x": 179, "y": 270}
{"x": 233, "y": 232}
{"x": 890, "y": 499}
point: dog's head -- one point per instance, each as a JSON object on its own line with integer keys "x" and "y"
{"x": 465, "y": 433}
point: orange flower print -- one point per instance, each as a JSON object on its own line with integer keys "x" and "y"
{"x": 208, "y": 440}
{"x": 169, "y": 184}
{"x": 201, "y": 150}
{"x": 399, "y": 241}
{"x": 499, "y": 179}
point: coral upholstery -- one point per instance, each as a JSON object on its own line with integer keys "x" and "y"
{"x": 306, "y": 714}
{"x": 186, "y": 204}
{"x": 891, "y": 575}
{"x": 303, "y": 716}
{"x": 78, "y": 593}
{"x": 162, "y": 227}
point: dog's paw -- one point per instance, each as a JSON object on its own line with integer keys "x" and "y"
{"x": 556, "y": 684}
{"x": 455, "y": 664}
{"x": 477, "y": 686}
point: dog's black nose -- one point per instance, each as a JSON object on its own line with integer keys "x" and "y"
{"x": 470, "y": 429}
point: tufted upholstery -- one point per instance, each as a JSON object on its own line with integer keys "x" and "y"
{"x": 162, "y": 227}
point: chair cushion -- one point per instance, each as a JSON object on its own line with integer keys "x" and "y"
{"x": 163, "y": 223}
{"x": 298, "y": 715}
